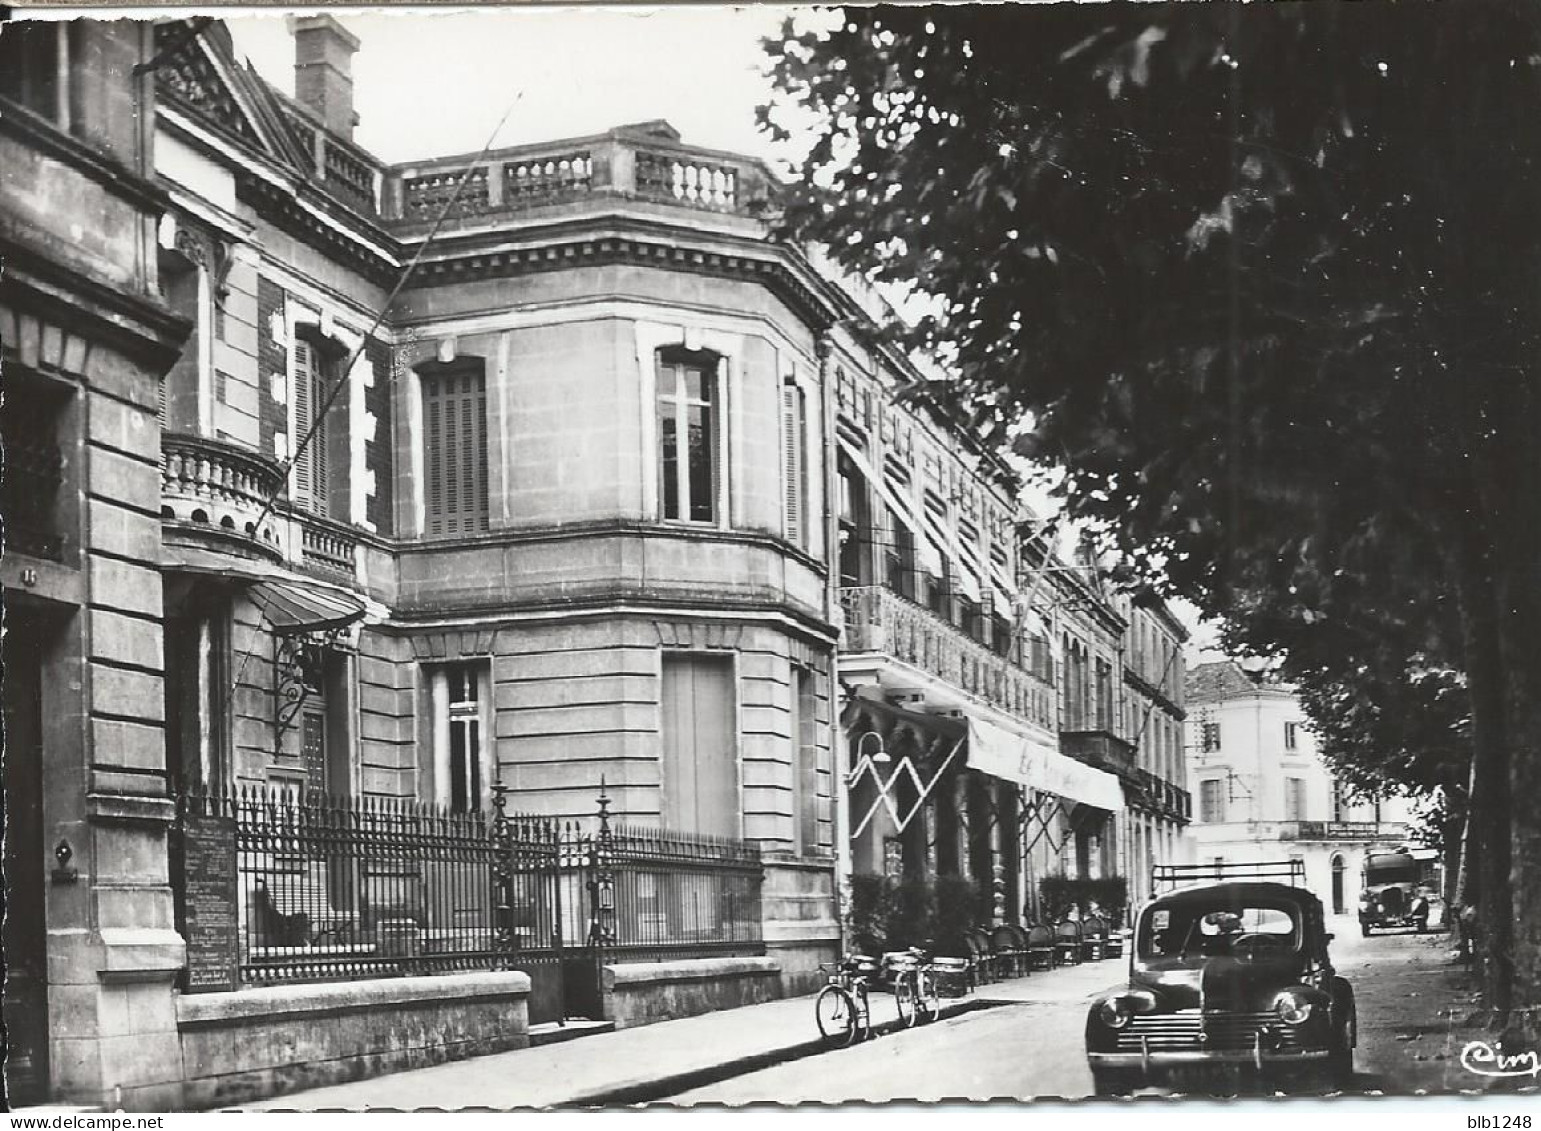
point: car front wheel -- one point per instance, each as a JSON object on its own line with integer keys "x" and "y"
{"x": 1114, "y": 1081}
{"x": 1340, "y": 1055}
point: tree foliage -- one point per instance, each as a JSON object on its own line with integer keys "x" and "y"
{"x": 1263, "y": 279}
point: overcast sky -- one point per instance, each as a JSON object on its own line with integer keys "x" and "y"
{"x": 430, "y": 83}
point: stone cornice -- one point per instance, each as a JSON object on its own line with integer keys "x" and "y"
{"x": 670, "y": 251}
{"x": 135, "y": 324}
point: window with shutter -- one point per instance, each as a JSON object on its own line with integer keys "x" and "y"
{"x": 455, "y": 451}
{"x": 794, "y": 464}
{"x": 309, "y": 399}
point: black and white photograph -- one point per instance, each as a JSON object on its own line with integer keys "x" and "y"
{"x": 697, "y": 557}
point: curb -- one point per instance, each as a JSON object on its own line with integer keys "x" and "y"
{"x": 661, "y": 1088}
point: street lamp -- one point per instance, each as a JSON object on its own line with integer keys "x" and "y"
{"x": 881, "y": 758}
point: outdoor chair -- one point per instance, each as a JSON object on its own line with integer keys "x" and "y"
{"x": 1094, "y": 938}
{"x": 985, "y": 957}
{"x": 1010, "y": 955}
{"x": 1040, "y": 947}
{"x": 1067, "y": 942}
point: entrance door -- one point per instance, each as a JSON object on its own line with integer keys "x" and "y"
{"x": 26, "y": 936}
{"x": 1337, "y": 885}
{"x": 700, "y": 750}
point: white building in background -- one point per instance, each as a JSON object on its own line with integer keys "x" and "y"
{"x": 1262, "y": 792}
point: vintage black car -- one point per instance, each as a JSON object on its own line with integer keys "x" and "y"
{"x": 1230, "y": 983}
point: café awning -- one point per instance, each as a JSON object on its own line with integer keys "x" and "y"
{"x": 1038, "y": 765}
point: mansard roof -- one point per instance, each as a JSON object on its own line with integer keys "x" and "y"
{"x": 1216, "y": 682}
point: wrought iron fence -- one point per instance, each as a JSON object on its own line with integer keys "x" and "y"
{"x": 277, "y": 885}
{"x": 678, "y": 895}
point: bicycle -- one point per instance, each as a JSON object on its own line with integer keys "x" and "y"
{"x": 842, "y": 1007}
{"x": 916, "y": 993}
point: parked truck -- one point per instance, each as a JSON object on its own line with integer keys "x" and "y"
{"x": 1394, "y": 896}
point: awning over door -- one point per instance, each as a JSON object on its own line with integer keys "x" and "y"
{"x": 291, "y": 602}
{"x": 1038, "y": 765}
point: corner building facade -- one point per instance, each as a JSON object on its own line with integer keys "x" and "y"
{"x": 546, "y": 528}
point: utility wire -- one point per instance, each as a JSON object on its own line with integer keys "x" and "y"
{"x": 331, "y": 399}
{"x": 320, "y": 417}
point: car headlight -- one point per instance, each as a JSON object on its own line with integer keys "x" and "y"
{"x": 1114, "y": 1012}
{"x": 1292, "y": 1007}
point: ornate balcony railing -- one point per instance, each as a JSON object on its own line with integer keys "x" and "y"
{"x": 217, "y": 484}
{"x": 879, "y": 620}
{"x": 1342, "y": 830}
{"x": 327, "y": 546}
{"x": 629, "y": 164}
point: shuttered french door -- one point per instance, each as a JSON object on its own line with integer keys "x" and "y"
{"x": 455, "y": 456}
{"x": 700, "y": 748}
{"x": 310, "y": 393}
{"x": 794, "y": 465}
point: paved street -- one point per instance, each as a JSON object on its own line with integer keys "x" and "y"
{"x": 1015, "y": 1039}
{"x": 1033, "y": 1045}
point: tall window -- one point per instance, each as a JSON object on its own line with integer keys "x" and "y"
{"x": 805, "y": 766}
{"x": 463, "y": 770}
{"x": 1294, "y": 799}
{"x": 700, "y": 748}
{"x": 1339, "y": 801}
{"x": 1104, "y": 695}
{"x": 1210, "y": 743}
{"x": 311, "y": 389}
{"x": 1291, "y": 736}
{"x": 34, "y": 65}
{"x": 455, "y": 449}
{"x": 689, "y": 437}
{"x": 1212, "y": 801}
{"x": 794, "y": 457}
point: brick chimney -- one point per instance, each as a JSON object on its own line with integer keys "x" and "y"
{"x": 323, "y": 70}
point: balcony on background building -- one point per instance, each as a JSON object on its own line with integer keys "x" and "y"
{"x": 1101, "y": 749}
{"x": 1157, "y": 795}
{"x": 221, "y": 488}
{"x": 878, "y": 620}
{"x": 1342, "y": 830}
{"x": 640, "y": 163}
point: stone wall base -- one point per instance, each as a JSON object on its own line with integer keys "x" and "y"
{"x": 239, "y": 1047}
{"x": 640, "y": 993}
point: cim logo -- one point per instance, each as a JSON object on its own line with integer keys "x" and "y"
{"x": 1482, "y": 1059}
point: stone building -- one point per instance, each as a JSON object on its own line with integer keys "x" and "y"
{"x": 1262, "y": 792}
{"x": 949, "y": 718}
{"x": 90, "y": 944}
{"x": 298, "y": 548}
{"x": 1120, "y": 671}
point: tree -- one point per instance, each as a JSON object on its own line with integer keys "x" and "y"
{"x": 1262, "y": 278}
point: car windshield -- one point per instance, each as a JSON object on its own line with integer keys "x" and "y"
{"x": 1395, "y": 870}
{"x": 1196, "y": 929}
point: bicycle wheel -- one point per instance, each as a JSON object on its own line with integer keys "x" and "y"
{"x": 928, "y": 999}
{"x": 836, "y": 1014}
{"x": 907, "y": 997}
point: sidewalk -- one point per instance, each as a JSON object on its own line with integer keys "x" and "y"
{"x": 653, "y": 1061}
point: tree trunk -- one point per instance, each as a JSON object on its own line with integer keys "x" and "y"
{"x": 1490, "y": 808}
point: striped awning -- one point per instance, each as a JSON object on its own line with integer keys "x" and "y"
{"x": 300, "y": 606}
{"x": 292, "y": 603}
